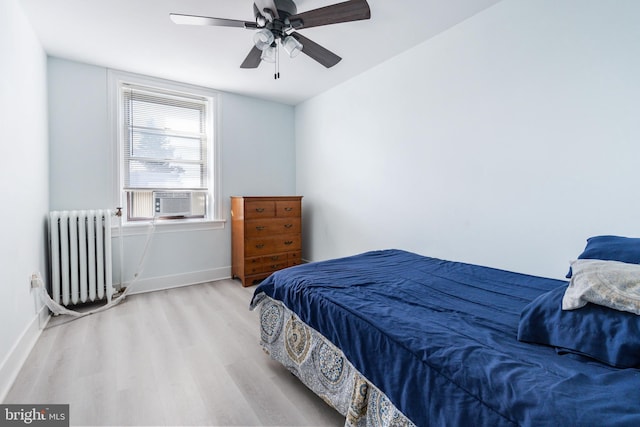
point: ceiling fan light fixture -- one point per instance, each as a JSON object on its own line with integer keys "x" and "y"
{"x": 263, "y": 39}
{"x": 269, "y": 54}
{"x": 292, "y": 46}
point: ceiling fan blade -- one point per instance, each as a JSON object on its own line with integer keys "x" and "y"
{"x": 353, "y": 10}
{"x": 269, "y": 5}
{"x": 206, "y": 20}
{"x": 253, "y": 59}
{"x": 317, "y": 52}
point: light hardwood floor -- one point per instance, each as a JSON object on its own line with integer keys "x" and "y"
{"x": 184, "y": 356}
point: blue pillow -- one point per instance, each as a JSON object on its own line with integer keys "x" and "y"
{"x": 607, "y": 335}
{"x": 611, "y": 248}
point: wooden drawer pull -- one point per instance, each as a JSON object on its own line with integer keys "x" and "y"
{"x": 288, "y": 242}
{"x": 288, "y": 225}
{"x": 288, "y": 209}
{"x": 260, "y": 227}
{"x": 259, "y": 210}
{"x": 260, "y": 245}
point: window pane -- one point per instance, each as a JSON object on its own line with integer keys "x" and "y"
{"x": 150, "y": 174}
{"x": 161, "y": 146}
{"x": 158, "y": 115}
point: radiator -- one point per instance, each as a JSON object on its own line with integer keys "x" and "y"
{"x": 80, "y": 255}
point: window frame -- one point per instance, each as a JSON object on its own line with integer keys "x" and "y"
{"x": 213, "y": 218}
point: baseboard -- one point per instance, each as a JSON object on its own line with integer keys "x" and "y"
{"x": 177, "y": 280}
{"x": 11, "y": 365}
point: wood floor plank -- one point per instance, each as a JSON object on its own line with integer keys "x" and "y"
{"x": 184, "y": 356}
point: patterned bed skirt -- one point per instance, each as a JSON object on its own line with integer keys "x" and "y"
{"x": 323, "y": 368}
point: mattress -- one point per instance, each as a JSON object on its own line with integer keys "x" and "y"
{"x": 439, "y": 339}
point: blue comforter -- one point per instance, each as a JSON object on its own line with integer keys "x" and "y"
{"x": 439, "y": 339}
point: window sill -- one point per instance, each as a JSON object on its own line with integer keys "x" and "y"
{"x": 168, "y": 226}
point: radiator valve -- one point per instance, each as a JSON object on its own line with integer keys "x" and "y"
{"x": 118, "y": 212}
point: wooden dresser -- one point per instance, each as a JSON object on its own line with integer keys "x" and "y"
{"x": 265, "y": 236}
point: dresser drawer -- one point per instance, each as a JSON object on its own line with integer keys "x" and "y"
{"x": 288, "y": 208}
{"x": 271, "y": 226}
{"x": 278, "y": 258}
{"x": 294, "y": 258}
{"x": 250, "y": 262}
{"x": 266, "y": 264}
{"x": 253, "y": 269}
{"x": 274, "y": 266}
{"x": 272, "y": 245}
{"x": 255, "y": 278}
{"x": 259, "y": 209}
{"x": 253, "y": 265}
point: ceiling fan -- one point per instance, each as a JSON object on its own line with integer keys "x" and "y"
{"x": 277, "y": 22}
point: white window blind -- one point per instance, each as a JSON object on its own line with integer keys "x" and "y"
{"x": 165, "y": 140}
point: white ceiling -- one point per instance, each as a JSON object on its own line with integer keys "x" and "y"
{"x": 138, "y": 36}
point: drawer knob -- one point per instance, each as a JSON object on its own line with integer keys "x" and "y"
{"x": 288, "y": 225}
{"x": 260, "y": 245}
{"x": 288, "y": 209}
{"x": 288, "y": 242}
{"x": 259, "y": 210}
{"x": 260, "y": 227}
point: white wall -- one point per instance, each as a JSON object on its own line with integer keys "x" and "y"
{"x": 24, "y": 151}
{"x": 257, "y": 149}
{"x": 505, "y": 141}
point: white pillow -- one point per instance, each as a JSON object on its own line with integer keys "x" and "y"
{"x": 612, "y": 284}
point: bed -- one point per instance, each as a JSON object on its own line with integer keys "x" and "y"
{"x": 395, "y": 338}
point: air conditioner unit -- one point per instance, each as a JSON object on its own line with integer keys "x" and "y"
{"x": 171, "y": 203}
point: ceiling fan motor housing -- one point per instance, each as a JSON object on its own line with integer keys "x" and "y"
{"x": 285, "y": 8}
{"x": 278, "y": 26}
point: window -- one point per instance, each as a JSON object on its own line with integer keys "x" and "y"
{"x": 165, "y": 149}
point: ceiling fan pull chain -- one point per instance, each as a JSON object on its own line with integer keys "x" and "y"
{"x": 276, "y": 75}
